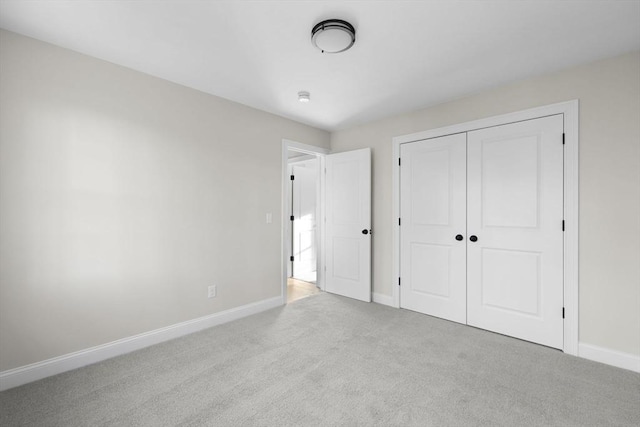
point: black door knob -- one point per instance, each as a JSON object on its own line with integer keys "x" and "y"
{"x": 365, "y": 231}
{"x": 473, "y": 238}
{"x": 459, "y": 237}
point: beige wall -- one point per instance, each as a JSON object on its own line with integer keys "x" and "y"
{"x": 122, "y": 197}
{"x": 609, "y": 94}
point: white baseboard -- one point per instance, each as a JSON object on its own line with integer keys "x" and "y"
{"x": 383, "y": 299}
{"x": 36, "y": 371}
{"x": 610, "y": 357}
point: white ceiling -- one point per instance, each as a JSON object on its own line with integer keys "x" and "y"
{"x": 408, "y": 54}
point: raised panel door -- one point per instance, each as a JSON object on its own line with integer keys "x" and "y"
{"x": 515, "y": 210}
{"x": 433, "y": 213}
{"x": 348, "y": 213}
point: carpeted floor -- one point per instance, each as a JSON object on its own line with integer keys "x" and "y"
{"x": 328, "y": 361}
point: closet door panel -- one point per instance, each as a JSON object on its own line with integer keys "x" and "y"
{"x": 515, "y": 209}
{"x": 432, "y": 209}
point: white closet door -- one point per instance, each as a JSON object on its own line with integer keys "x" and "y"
{"x": 433, "y": 213}
{"x": 348, "y": 216}
{"x": 515, "y": 209}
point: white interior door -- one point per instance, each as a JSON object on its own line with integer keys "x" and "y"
{"x": 508, "y": 213}
{"x": 515, "y": 211}
{"x": 348, "y": 215}
{"x": 304, "y": 197}
{"x": 433, "y": 228}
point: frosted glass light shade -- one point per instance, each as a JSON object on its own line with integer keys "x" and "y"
{"x": 304, "y": 96}
{"x": 333, "y": 36}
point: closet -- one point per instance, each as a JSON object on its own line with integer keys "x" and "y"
{"x": 481, "y": 235}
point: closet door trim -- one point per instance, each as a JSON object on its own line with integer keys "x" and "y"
{"x": 570, "y": 111}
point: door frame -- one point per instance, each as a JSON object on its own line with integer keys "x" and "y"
{"x": 319, "y": 152}
{"x": 570, "y": 110}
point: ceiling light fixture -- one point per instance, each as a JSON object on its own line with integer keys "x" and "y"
{"x": 333, "y": 36}
{"x": 304, "y": 96}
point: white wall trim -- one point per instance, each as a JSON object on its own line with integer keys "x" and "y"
{"x": 383, "y": 299}
{"x": 302, "y": 158}
{"x": 570, "y": 110}
{"x": 303, "y": 148}
{"x": 610, "y": 357}
{"x": 57, "y": 365}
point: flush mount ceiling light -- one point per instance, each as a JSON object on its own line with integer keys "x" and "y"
{"x": 333, "y": 36}
{"x": 304, "y": 96}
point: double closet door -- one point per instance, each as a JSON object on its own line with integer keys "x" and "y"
{"x": 481, "y": 235}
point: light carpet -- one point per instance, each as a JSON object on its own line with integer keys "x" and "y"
{"x": 331, "y": 361}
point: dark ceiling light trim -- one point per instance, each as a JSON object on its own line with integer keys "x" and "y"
{"x": 333, "y": 36}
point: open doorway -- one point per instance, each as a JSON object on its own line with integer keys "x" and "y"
{"x": 303, "y": 207}
{"x": 343, "y": 235}
{"x": 302, "y": 212}
{"x": 304, "y": 185}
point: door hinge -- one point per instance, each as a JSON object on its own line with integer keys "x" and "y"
{"x": 563, "y": 139}
{"x": 398, "y": 281}
{"x": 292, "y": 177}
{"x": 563, "y": 312}
{"x": 399, "y": 162}
{"x": 291, "y": 218}
{"x": 291, "y": 258}
{"x": 563, "y": 225}
{"x": 399, "y": 221}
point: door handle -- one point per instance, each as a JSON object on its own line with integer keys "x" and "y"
{"x": 365, "y": 231}
{"x": 473, "y": 238}
{"x": 459, "y": 237}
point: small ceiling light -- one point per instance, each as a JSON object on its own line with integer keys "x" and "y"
{"x": 304, "y": 96}
{"x": 333, "y": 36}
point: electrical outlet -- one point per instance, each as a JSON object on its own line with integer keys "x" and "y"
{"x": 211, "y": 291}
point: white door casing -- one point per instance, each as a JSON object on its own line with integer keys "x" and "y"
{"x": 515, "y": 210}
{"x": 433, "y": 212}
{"x": 348, "y": 213}
{"x": 570, "y": 112}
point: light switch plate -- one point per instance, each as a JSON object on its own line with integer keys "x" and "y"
{"x": 211, "y": 291}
